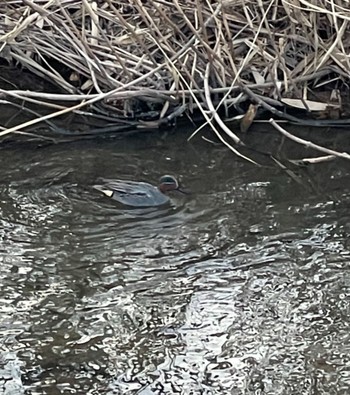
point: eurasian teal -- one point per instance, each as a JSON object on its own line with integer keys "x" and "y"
{"x": 139, "y": 194}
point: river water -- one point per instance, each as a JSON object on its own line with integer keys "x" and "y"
{"x": 240, "y": 287}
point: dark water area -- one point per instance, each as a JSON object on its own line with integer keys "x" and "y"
{"x": 241, "y": 287}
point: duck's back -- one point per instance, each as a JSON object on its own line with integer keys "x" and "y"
{"x": 130, "y": 193}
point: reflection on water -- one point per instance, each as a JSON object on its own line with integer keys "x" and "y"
{"x": 241, "y": 287}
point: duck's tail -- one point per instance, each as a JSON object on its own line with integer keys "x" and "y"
{"x": 104, "y": 190}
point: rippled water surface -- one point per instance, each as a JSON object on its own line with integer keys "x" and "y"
{"x": 241, "y": 287}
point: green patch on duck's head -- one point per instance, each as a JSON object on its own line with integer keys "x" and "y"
{"x": 168, "y": 183}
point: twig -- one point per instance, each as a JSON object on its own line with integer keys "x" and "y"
{"x": 309, "y": 144}
{"x": 319, "y": 159}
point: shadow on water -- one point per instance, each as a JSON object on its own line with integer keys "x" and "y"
{"x": 241, "y": 287}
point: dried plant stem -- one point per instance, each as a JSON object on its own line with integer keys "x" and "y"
{"x": 309, "y": 144}
{"x": 146, "y": 59}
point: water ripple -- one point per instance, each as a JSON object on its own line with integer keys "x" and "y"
{"x": 240, "y": 287}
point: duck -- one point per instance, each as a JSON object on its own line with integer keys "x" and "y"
{"x": 139, "y": 194}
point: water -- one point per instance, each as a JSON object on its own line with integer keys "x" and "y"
{"x": 241, "y": 287}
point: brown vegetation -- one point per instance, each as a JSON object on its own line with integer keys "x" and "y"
{"x": 146, "y": 62}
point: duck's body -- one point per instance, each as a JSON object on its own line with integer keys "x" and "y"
{"x": 138, "y": 194}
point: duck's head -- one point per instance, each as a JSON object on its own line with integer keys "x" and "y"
{"x": 168, "y": 183}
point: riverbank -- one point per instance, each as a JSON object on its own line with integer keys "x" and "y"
{"x": 146, "y": 64}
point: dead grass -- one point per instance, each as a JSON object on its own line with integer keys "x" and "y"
{"x": 166, "y": 57}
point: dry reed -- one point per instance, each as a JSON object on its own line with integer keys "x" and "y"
{"x": 148, "y": 62}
